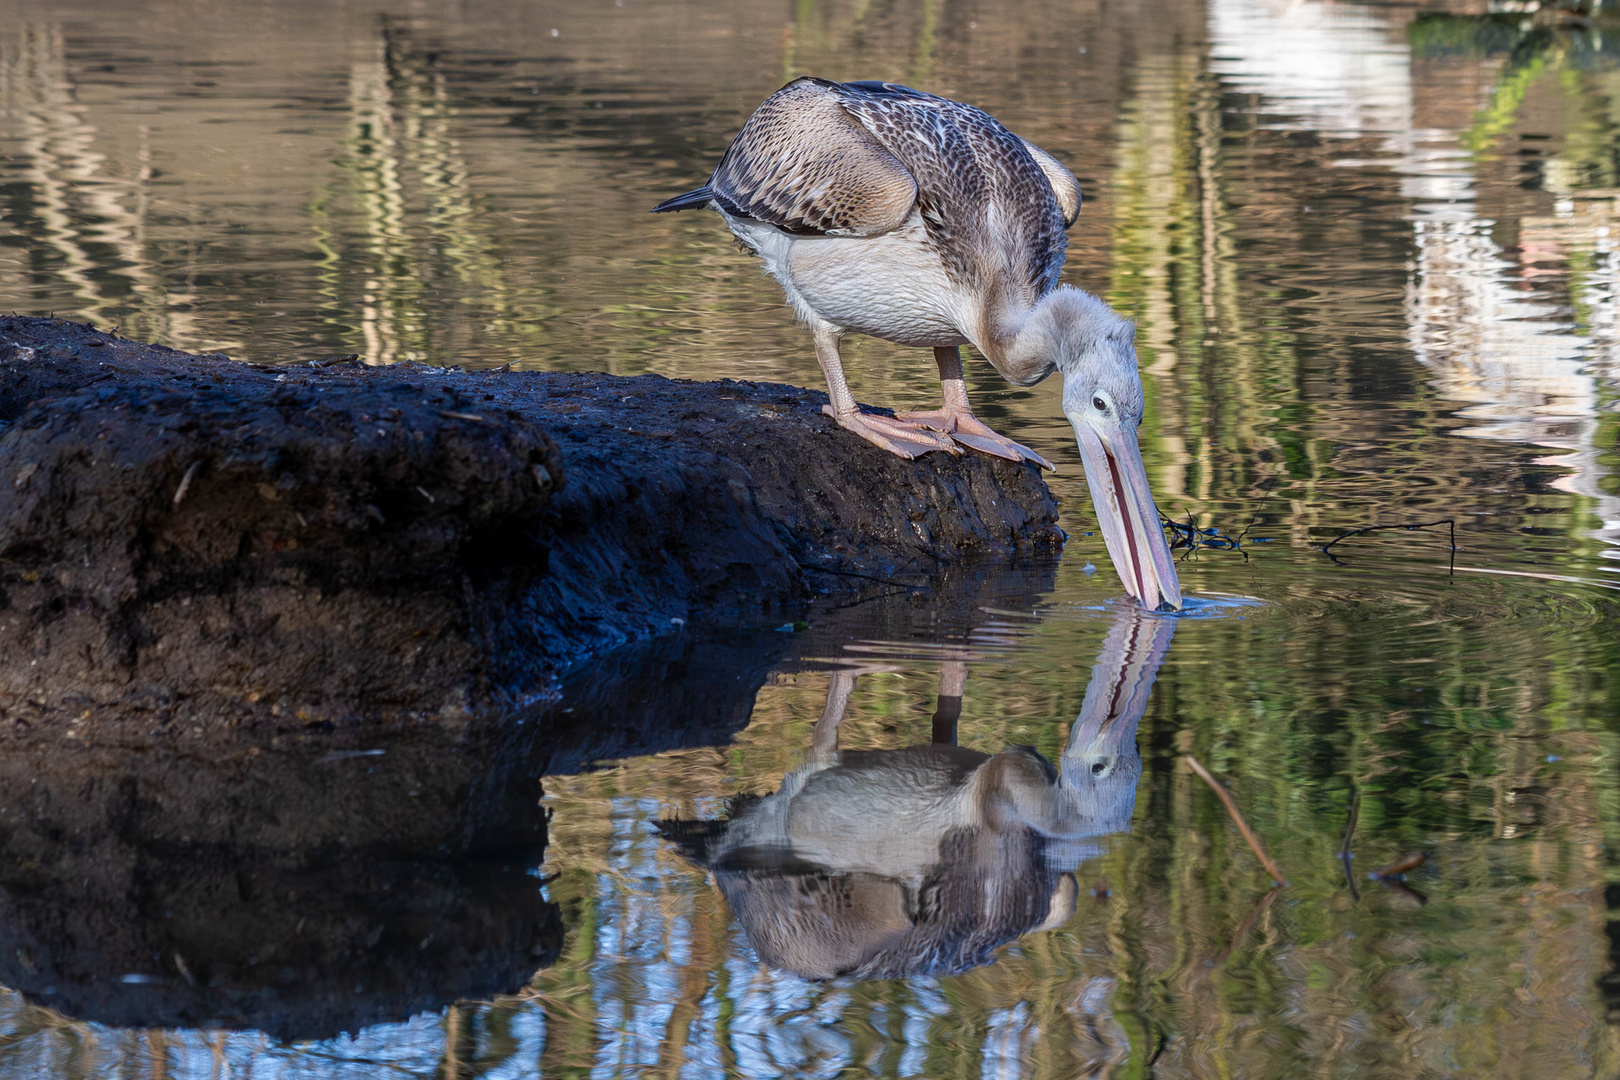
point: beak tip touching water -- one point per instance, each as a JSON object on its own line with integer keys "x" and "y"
{"x": 1126, "y": 514}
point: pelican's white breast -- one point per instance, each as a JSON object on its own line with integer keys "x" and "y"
{"x": 892, "y": 286}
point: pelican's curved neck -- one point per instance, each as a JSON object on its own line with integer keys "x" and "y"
{"x": 1017, "y": 339}
{"x": 1028, "y": 340}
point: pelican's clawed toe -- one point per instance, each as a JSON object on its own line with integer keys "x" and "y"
{"x": 897, "y": 436}
{"x": 1002, "y": 447}
{"x": 971, "y": 432}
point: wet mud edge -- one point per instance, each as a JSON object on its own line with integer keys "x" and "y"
{"x": 189, "y": 537}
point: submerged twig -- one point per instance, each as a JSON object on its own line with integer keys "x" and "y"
{"x": 1248, "y": 923}
{"x": 1396, "y": 871}
{"x": 1349, "y": 834}
{"x": 1237, "y": 818}
{"x": 1187, "y": 534}
{"x": 1452, "y": 522}
{"x": 1264, "y": 495}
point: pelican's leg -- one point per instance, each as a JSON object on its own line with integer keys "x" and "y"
{"x": 956, "y": 415}
{"x": 908, "y": 440}
{"x": 952, "y": 676}
{"x": 824, "y": 739}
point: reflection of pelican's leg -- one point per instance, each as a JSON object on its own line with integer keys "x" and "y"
{"x": 952, "y": 676}
{"x": 824, "y": 743}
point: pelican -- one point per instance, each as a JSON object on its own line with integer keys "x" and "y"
{"x": 885, "y": 211}
{"x": 929, "y": 858}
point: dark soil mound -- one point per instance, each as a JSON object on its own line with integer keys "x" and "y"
{"x": 192, "y": 537}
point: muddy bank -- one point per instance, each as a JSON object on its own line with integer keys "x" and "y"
{"x": 186, "y": 536}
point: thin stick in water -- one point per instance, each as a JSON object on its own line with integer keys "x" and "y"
{"x": 1237, "y": 818}
{"x": 1452, "y": 522}
{"x": 1349, "y": 834}
{"x": 1264, "y": 495}
{"x": 1248, "y": 923}
{"x": 1396, "y": 871}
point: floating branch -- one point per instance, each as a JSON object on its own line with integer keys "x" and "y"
{"x": 1237, "y": 818}
{"x": 1349, "y": 834}
{"x": 1451, "y": 522}
{"x": 1187, "y": 534}
{"x": 1248, "y": 923}
{"x": 1396, "y": 871}
{"x": 1190, "y": 536}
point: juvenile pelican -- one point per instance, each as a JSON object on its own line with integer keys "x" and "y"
{"x": 927, "y": 859}
{"x": 885, "y": 211}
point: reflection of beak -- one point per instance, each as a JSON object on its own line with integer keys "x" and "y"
{"x": 1117, "y": 695}
{"x": 1104, "y": 734}
{"x": 1126, "y": 514}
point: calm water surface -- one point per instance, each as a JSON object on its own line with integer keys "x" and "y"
{"x": 1371, "y": 249}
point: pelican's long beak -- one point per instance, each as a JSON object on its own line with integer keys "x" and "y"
{"x": 1125, "y": 511}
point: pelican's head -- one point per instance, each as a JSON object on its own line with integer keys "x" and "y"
{"x": 1102, "y": 397}
{"x": 1098, "y": 774}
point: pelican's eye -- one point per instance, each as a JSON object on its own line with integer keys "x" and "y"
{"x": 1099, "y": 404}
{"x": 1098, "y": 768}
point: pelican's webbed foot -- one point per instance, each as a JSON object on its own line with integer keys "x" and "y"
{"x": 975, "y": 434}
{"x": 955, "y": 416}
{"x": 897, "y": 436}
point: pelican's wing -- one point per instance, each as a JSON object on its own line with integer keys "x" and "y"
{"x": 804, "y": 164}
{"x": 1064, "y": 185}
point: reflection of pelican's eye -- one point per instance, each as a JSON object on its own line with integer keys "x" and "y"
{"x": 1099, "y": 404}
{"x": 1098, "y": 768}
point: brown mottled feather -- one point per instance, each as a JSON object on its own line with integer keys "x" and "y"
{"x": 1064, "y": 186}
{"x": 802, "y": 163}
{"x": 853, "y": 159}
{"x": 987, "y": 205}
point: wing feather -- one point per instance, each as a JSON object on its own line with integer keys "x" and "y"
{"x": 804, "y": 164}
{"x": 1064, "y": 185}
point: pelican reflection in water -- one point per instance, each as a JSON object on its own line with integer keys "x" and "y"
{"x": 927, "y": 859}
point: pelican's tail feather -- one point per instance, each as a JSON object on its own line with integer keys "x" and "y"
{"x": 692, "y": 200}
